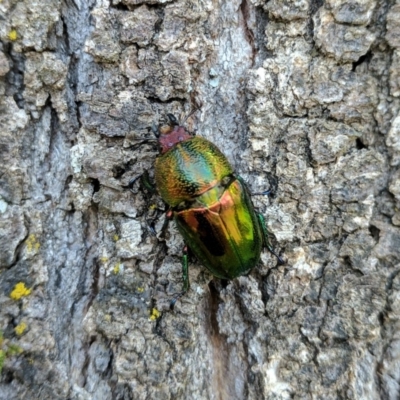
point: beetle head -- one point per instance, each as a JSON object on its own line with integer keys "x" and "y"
{"x": 171, "y": 134}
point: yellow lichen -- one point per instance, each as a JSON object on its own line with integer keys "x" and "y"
{"x": 32, "y": 244}
{"x": 20, "y": 290}
{"x": 12, "y": 35}
{"x": 115, "y": 238}
{"x": 20, "y": 328}
{"x": 13, "y": 349}
{"x": 140, "y": 289}
{"x": 104, "y": 259}
{"x": 116, "y": 269}
{"x": 152, "y": 206}
{"x": 7, "y": 350}
{"x": 154, "y": 314}
{"x": 2, "y": 359}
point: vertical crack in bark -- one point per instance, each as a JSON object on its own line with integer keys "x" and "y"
{"x": 229, "y": 359}
{"x": 15, "y": 78}
{"x": 246, "y": 10}
{"x": 388, "y": 332}
{"x": 220, "y": 378}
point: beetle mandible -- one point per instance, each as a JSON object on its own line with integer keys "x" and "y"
{"x": 211, "y": 205}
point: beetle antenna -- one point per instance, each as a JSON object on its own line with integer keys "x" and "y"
{"x": 190, "y": 114}
{"x": 280, "y": 259}
{"x": 175, "y": 299}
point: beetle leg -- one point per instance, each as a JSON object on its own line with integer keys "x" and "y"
{"x": 185, "y": 275}
{"x": 267, "y": 244}
{"x": 144, "y": 181}
{"x": 146, "y": 184}
{"x": 151, "y": 226}
{"x": 168, "y": 216}
{"x": 132, "y": 182}
{"x": 241, "y": 180}
{"x": 265, "y": 193}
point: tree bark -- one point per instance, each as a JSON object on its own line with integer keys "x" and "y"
{"x": 302, "y": 97}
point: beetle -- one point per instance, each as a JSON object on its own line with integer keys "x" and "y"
{"x": 209, "y": 203}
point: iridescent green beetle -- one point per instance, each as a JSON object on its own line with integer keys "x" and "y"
{"x": 209, "y": 203}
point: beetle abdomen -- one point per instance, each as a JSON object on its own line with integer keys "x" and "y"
{"x": 189, "y": 169}
{"x": 225, "y": 236}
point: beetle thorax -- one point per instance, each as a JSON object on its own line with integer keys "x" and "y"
{"x": 170, "y": 138}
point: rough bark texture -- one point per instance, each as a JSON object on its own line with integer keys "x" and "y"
{"x": 303, "y": 98}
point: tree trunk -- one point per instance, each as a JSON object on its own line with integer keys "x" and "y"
{"x": 302, "y": 97}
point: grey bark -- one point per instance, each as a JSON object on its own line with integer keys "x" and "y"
{"x": 303, "y": 98}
